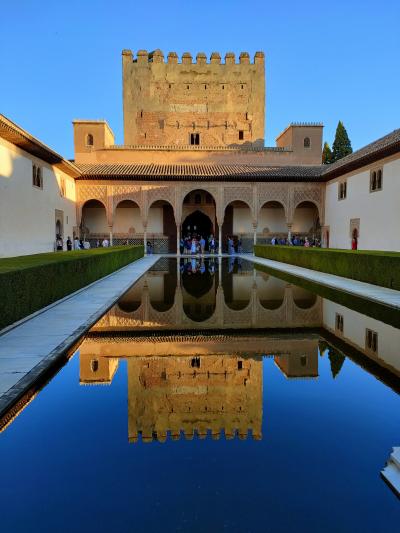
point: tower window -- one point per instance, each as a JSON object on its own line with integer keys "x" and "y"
{"x": 195, "y": 139}
{"x": 240, "y": 365}
{"x": 141, "y": 114}
{"x": 205, "y": 86}
{"x": 94, "y": 365}
{"x": 307, "y": 142}
{"x": 89, "y": 139}
{"x": 223, "y": 87}
{"x": 241, "y": 135}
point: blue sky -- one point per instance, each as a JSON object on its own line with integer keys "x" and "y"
{"x": 61, "y": 60}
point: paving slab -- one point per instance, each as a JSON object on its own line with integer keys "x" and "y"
{"x": 28, "y": 349}
{"x": 368, "y": 291}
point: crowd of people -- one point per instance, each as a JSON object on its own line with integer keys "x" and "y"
{"x": 79, "y": 244}
{"x": 198, "y": 244}
{"x": 297, "y": 241}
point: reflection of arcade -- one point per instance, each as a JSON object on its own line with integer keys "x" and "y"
{"x": 218, "y": 294}
{"x": 196, "y": 389}
{"x": 199, "y": 287}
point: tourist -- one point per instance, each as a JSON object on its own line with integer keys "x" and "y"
{"x": 202, "y": 245}
{"x": 194, "y": 246}
{"x": 307, "y": 243}
{"x": 69, "y": 244}
{"x": 354, "y": 243}
{"x": 59, "y": 244}
{"x": 86, "y": 245}
{"x": 97, "y": 243}
{"x": 105, "y": 243}
{"x": 81, "y": 244}
{"x": 149, "y": 248}
{"x": 211, "y": 244}
{"x": 76, "y": 244}
{"x": 273, "y": 241}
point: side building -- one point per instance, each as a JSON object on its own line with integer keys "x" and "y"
{"x": 37, "y": 193}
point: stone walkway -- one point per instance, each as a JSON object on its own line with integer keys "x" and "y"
{"x": 27, "y": 350}
{"x": 375, "y": 293}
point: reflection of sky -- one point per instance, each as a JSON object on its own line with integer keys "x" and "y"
{"x": 324, "y": 443}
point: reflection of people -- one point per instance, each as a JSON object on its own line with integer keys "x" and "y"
{"x": 149, "y": 248}
{"x": 202, "y": 244}
{"x": 211, "y": 244}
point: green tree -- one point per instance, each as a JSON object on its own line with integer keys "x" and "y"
{"x": 326, "y": 154}
{"x": 336, "y": 359}
{"x": 341, "y": 145}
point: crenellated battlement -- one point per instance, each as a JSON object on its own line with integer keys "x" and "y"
{"x": 157, "y": 56}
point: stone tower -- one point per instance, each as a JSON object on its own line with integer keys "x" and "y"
{"x": 167, "y": 103}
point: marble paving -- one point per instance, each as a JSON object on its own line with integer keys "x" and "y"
{"x": 28, "y": 349}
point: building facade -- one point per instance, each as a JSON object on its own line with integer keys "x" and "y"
{"x": 194, "y": 161}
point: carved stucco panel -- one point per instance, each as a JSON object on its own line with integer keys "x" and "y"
{"x": 273, "y": 192}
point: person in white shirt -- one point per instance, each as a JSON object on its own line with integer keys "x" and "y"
{"x": 76, "y": 244}
{"x": 105, "y": 243}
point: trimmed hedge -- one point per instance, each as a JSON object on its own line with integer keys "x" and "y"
{"x": 29, "y": 283}
{"x": 381, "y": 312}
{"x": 376, "y": 267}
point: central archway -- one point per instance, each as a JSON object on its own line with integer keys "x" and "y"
{"x": 197, "y": 223}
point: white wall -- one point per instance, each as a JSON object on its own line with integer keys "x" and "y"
{"x": 242, "y": 221}
{"x": 304, "y": 219}
{"x": 126, "y": 218}
{"x": 354, "y": 326}
{"x": 27, "y": 213}
{"x": 379, "y": 212}
{"x": 272, "y": 218}
{"x": 95, "y": 220}
{"x": 155, "y": 221}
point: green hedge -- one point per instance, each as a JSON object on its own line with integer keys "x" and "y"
{"x": 29, "y": 283}
{"x": 376, "y": 267}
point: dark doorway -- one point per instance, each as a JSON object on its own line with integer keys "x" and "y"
{"x": 197, "y": 223}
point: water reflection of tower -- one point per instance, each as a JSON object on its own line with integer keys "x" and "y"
{"x": 195, "y": 395}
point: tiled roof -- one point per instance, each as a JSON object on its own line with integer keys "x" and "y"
{"x": 187, "y": 172}
{"x": 27, "y": 142}
{"x": 383, "y": 147}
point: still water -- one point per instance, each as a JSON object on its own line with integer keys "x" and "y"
{"x": 212, "y": 397}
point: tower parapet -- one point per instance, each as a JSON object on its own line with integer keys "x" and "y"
{"x": 157, "y": 56}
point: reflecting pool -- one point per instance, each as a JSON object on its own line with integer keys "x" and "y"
{"x": 212, "y": 396}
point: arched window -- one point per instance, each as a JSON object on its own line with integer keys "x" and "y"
{"x": 307, "y": 142}
{"x": 89, "y": 139}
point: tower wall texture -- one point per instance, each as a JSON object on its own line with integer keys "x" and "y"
{"x": 164, "y": 102}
